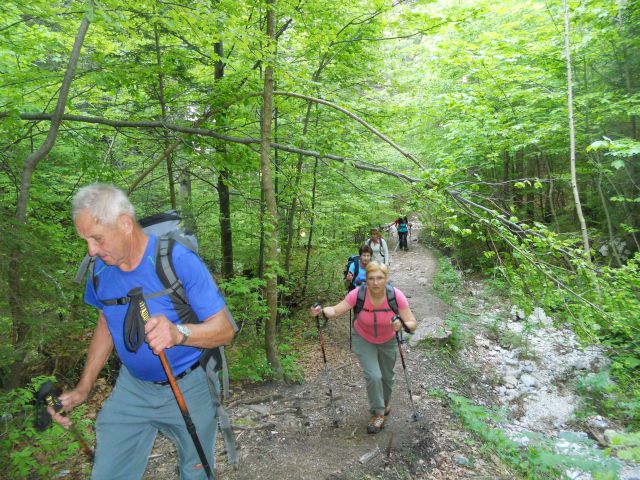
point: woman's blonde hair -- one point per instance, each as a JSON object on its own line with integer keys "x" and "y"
{"x": 377, "y": 266}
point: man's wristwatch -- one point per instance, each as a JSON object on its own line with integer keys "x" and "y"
{"x": 185, "y": 331}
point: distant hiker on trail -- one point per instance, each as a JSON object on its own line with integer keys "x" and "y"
{"x": 376, "y": 304}
{"x": 142, "y": 402}
{"x": 356, "y": 271}
{"x": 379, "y": 247}
{"x": 403, "y": 231}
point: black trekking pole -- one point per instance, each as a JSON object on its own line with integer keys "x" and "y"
{"x": 46, "y": 397}
{"x": 137, "y": 296}
{"x": 336, "y": 421}
{"x": 416, "y": 415}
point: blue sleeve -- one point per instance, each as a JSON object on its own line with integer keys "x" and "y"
{"x": 202, "y": 292}
{"x": 352, "y": 267}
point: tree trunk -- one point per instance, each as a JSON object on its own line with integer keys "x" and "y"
{"x": 572, "y": 138}
{"x": 224, "y": 197}
{"x": 262, "y": 230}
{"x": 271, "y": 214}
{"x": 626, "y": 68}
{"x": 294, "y": 200}
{"x": 163, "y": 109}
{"x": 226, "y": 237}
{"x": 612, "y": 243}
{"x": 20, "y": 329}
{"x": 309, "y": 242}
{"x": 552, "y": 207}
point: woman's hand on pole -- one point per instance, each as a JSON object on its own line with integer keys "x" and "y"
{"x": 315, "y": 310}
{"x": 396, "y": 324}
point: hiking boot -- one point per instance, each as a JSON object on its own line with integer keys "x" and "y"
{"x": 376, "y": 424}
{"x": 387, "y": 408}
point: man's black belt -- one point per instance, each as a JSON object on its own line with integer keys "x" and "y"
{"x": 183, "y": 374}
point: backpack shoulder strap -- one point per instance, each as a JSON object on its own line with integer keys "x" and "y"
{"x": 87, "y": 264}
{"x": 391, "y": 299}
{"x": 362, "y": 292}
{"x": 356, "y": 267}
{"x": 172, "y": 285}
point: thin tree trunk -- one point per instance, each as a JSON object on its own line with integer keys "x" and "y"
{"x": 552, "y": 207}
{"x": 628, "y": 77}
{"x": 612, "y": 243}
{"x": 572, "y": 137}
{"x": 311, "y": 227}
{"x": 20, "y": 330}
{"x": 271, "y": 217}
{"x": 629, "y": 217}
{"x": 163, "y": 108}
{"x": 262, "y": 230}
{"x": 224, "y": 196}
{"x": 186, "y": 201}
{"x": 294, "y": 200}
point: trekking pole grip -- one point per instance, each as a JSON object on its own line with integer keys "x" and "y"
{"x": 404, "y": 325}
{"x": 326, "y": 319}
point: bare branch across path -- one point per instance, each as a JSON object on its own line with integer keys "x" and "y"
{"x": 210, "y": 133}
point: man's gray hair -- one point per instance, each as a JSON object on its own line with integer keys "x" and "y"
{"x": 104, "y": 202}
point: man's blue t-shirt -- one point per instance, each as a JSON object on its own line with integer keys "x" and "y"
{"x": 202, "y": 292}
{"x": 362, "y": 274}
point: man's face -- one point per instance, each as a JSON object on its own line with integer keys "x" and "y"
{"x": 108, "y": 242}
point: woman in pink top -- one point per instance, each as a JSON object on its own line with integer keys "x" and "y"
{"x": 373, "y": 337}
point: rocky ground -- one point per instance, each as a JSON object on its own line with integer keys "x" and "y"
{"x": 287, "y": 431}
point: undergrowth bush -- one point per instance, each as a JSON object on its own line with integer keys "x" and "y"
{"x": 538, "y": 460}
{"x": 446, "y": 280}
{"x": 27, "y": 453}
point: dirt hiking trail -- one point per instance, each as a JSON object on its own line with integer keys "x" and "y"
{"x": 287, "y": 431}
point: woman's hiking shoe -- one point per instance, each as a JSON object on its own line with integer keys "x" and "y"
{"x": 376, "y": 424}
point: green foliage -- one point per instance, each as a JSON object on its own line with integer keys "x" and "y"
{"x": 538, "y": 460}
{"x": 475, "y": 90}
{"x": 27, "y": 453}
{"x": 595, "y": 390}
{"x": 455, "y": 322}
{"x": 626, "y": 446}
{"x": 446, "y": 281}
{"x": 246, "y": 357}
{"x": 247, "y": 362}
{"x": 244, "y": 299}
